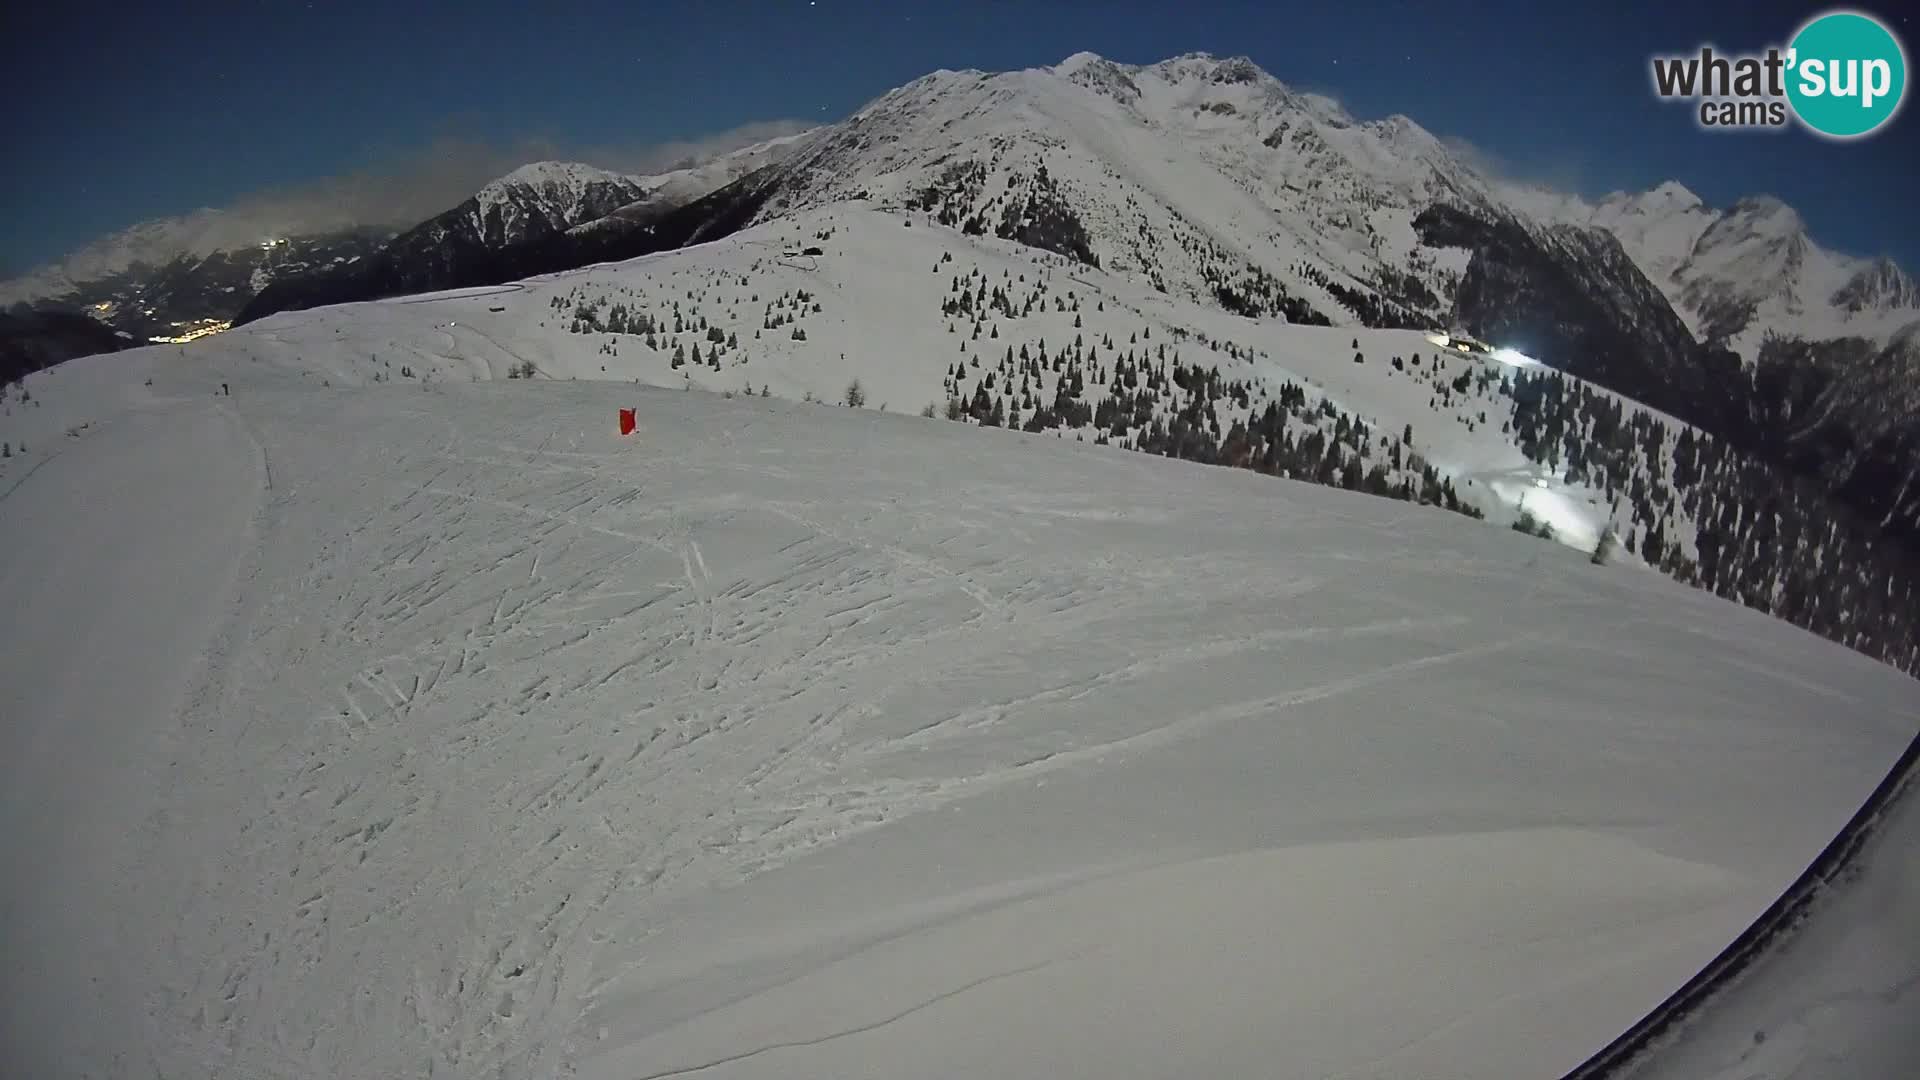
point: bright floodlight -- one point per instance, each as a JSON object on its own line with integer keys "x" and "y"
{"x": 1514, "y": 358}
{"x": 1441, "y": 340}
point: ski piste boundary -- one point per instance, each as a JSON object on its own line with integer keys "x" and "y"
{"x": 1774, "y": 928}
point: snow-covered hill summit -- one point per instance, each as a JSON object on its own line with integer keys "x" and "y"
{"x": 450, "y": 732}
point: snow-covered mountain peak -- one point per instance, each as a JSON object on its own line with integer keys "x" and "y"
{"x": 547, "y": 196}
{"x": 1675, "y": 194}
{"x": 1202, "y": 71}
{"x": 1213, "y": 68}
{"x": 1741, "y": 273}
{"x": 1879, "y": 285}
{"x": 1412, "y": 141}
{"x": 1660, "y": 228}
{"x": 1078, "y": 62}
{"x": 560, "y": 184}
{"x": 553, "y": 172}
{"x": 1760, "y": 237}
{"x": 1197, "y": 170}
{"x": 1185, "y": 64}
{"x": 1753, "y": 257}
{"x": 1766, "y": 215}
{"x": 1101, "y": 75}
{"x": 1663, "y": 200}
{"x": 1327, "y": 109}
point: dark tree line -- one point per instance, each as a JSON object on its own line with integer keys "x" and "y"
{"x": 1151, "y": 400}
{"x": 1373, "y": 309}
{"x": 681, "y": 331}
{"x": 1763, "y": 536}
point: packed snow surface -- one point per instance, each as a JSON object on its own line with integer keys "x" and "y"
{"x": 404, "y": 730}
{"x": 1838, "y": 998}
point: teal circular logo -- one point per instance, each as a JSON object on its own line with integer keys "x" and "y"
{"x": 1846, "y": 74}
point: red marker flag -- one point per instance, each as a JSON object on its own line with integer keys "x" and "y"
{"x": 626, "y": 421}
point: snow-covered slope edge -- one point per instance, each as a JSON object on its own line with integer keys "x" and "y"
{"x": 996, "y": 332}
{"x": 518, "y": 747}
{"x": 1822, "y": 984}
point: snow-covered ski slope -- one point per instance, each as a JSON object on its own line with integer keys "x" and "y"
{"x": 873, "y": 311}
{"x": 1822, "y": 985}
{"x": 1836, "y": 1000}
{"x": 404, "y": 727}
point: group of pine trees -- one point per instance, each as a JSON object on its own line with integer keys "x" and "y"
{"x": 1030, "y": 209}
{"x": 1150, "y": 399}
{"x": 1697, "y": 510}
{"x": 1759, "y": 535}
{"x": 681, "y": 332}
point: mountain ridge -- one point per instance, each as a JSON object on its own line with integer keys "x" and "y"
{"x": 199, "y": 269}
{"x": 1214, "y": 181}
{"x": 1743, "y": 272}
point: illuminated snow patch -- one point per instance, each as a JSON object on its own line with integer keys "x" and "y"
{"x": 1515, "y": 358}
{"x": 1571, "y": 525}
{"x": 1574, "y": 523}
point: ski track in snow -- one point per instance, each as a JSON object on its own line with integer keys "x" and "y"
{"x": 500, "y": 697}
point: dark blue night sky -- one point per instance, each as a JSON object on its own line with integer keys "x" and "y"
{"x": 124, "y": 112}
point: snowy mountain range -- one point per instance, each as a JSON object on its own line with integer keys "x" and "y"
{"x": 540, "y": 198}
{"x": 172, "y": 276}
{"x": 542, "y": 217}
{"x": 1213, "y": 179}
{"x": 189, "y": 238}
{"x": 166, "y": 279}
{"x": 1214, "y": 182}
{"x": 1744, "y": 272}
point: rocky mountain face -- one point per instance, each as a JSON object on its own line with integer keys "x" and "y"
{"x": 534, "y": 201}
{"x": 1844, "y": 410}
{"x": 475, "y": 242}
{"x": 32, "y": 340}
